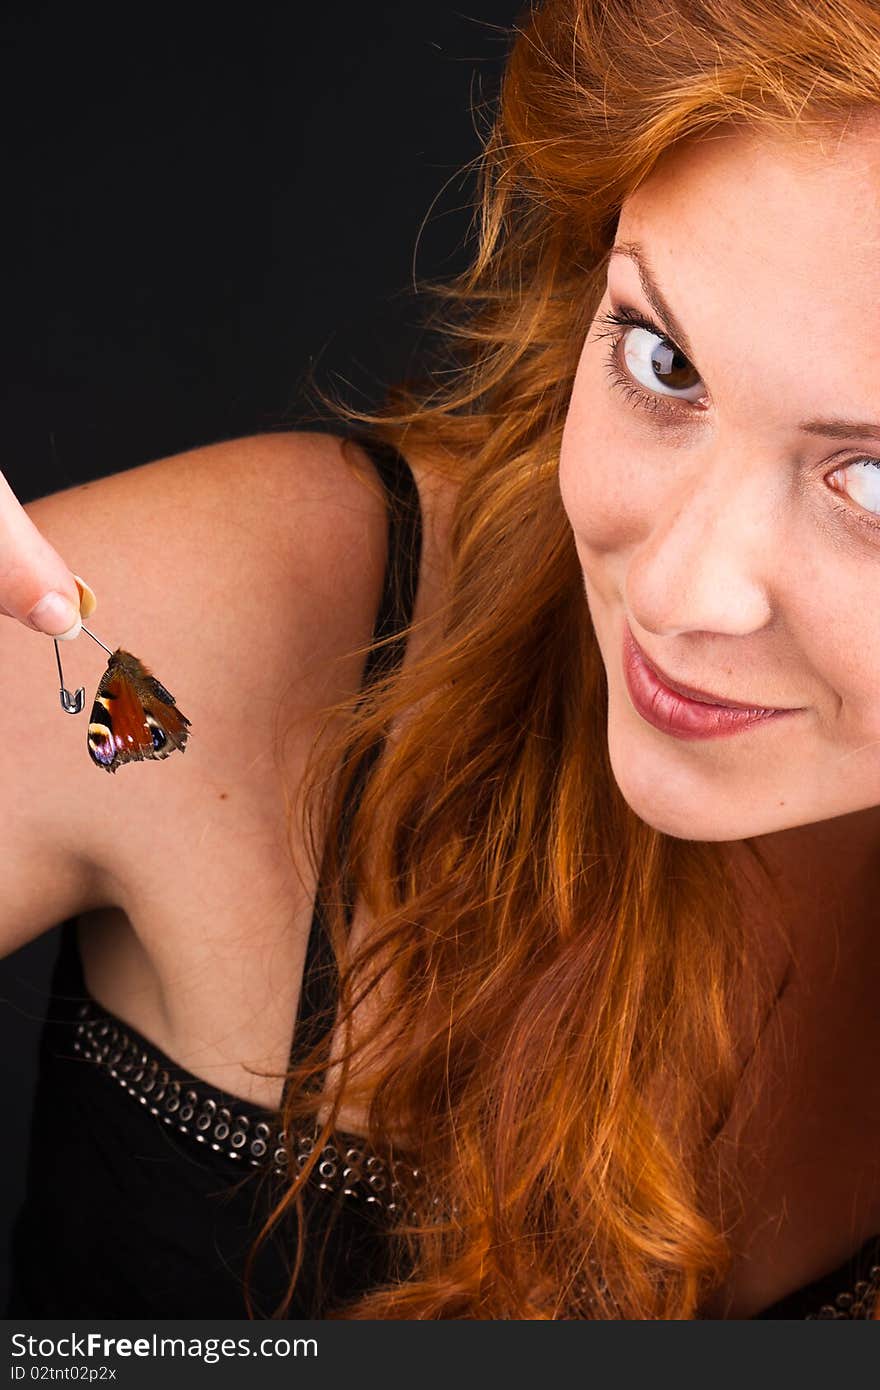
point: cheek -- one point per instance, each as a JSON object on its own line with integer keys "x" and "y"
{"x": 846, "y": 651}
{"x": 600, "y": 469}
{"x": 826, "y": 647}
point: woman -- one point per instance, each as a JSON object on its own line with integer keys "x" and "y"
{"x": 587, "y": 1024}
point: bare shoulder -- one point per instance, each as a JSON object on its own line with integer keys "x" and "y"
{"x": 248, "y": 594}
{"x": 242, "y": 574}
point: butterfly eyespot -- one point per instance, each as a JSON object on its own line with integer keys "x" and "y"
{"x": 160, "y": 738}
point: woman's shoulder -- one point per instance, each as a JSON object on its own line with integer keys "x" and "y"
{"x": 257, "y": 605}
{"x": 233, "y": 572}
{"x": 236, "y": 572}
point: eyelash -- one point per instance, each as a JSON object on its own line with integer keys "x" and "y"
{"x": 618, "y": 322}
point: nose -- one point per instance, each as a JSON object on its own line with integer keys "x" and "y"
{"x": 710, "y": 553}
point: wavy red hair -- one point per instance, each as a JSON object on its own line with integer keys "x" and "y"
{"x": 563, "y": 986}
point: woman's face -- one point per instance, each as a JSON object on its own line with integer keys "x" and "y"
{"x": 721, "y": 506}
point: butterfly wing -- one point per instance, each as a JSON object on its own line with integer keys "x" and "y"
{"x": 133, "y": 716}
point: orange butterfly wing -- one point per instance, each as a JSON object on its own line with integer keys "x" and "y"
{"x": 133, "y": 716}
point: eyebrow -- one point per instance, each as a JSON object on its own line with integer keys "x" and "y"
{"x": 654, "y": 294}
{"x": 830, "y": 428}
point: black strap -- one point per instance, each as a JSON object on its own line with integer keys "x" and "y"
{"x": 317, "y": 1006}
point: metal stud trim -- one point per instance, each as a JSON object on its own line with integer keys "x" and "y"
{"x": 352, "y": 1170}
{"x": 229, "y": 1130}
{"x": 859, "y": 1302}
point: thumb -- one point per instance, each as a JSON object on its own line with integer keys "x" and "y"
{"x": 86, "y": 605}
{"x": 36, "y": 587}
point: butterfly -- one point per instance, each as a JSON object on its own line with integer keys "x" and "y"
{"x": 133, "y": 716}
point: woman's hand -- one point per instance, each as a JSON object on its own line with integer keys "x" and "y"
{"x": 36, "y": 587}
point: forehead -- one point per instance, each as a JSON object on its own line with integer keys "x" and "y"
{"x": 761, "y": 208}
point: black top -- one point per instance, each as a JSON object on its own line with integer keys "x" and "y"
{"x": 144, "y": 1201}
{"x": 146, "y": 1186}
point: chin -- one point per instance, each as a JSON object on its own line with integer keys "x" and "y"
{"x": 676, "y": 799}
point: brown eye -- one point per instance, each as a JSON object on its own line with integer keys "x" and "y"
{"x": 657, "y": 365}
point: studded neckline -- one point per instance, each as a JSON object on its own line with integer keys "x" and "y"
{"x": 250, "y": 1135}
{"x": 247, "y": 1134}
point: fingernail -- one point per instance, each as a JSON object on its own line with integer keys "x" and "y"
{"x": 87, "y": 601}
{"x": 56, "y": 616}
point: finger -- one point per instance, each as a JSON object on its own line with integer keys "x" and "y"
{"x": 36, "y": 586}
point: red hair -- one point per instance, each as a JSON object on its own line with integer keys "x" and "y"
{"x": 560, "y": 1042}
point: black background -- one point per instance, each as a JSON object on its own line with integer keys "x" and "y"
{"x": 201, "y": 207}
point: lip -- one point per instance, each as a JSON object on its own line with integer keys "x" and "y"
{"x": 681, "y": 710}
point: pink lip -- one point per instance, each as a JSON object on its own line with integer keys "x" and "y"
{"x": 668, "y": 706}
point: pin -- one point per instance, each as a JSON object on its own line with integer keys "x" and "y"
{"x": 133, "y": 716}
{"x": 74, "y": 704}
